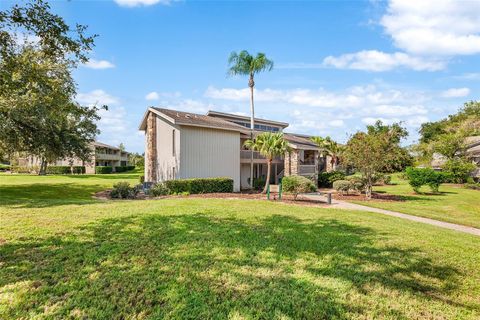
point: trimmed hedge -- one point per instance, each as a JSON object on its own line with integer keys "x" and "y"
{"x": 50, "y": 169}
{"x": 124, "y": 168}
{"x": 65, "y": 170}
{"x": 103, "y": 169}
{"x": 199, "y": 185}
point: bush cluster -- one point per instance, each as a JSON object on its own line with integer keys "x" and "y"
{"x": 458, "y": 170}
{"x": 418, "y": 177}
{"x": 65, "y": 169}
{"x": 473, "y": 185}
{"x": 296, "y": 185}
{"x": 122, "y": 190}
{"x": 124, "y": 168}
{"x": 326, "y": 179}
{"x": 353, "y": 183}
{"x": 193, "y": 186}
{"x": 259, "y": 183}
{"x": 24, "y": 169}
{"x": 103, "y": 169}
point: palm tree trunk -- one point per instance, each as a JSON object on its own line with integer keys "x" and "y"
{"x": 267, "y": 182}
{"x": 251, "y": 84}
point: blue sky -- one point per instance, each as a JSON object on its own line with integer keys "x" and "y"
{"x": 339, "y": 65}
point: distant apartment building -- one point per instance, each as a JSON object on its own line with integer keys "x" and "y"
{"x": 187, "y": 145}
{"x": 102, "y": 155}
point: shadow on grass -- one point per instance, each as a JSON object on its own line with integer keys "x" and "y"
{"x": 42, "y": 195}
{"x": 198, "y": 266}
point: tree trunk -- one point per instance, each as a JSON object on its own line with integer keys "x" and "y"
{"x": 43, "y": 167}
{"x": 368, "y": 188}
{"x": 251, "y": 84}
{"x": 267, "y": 182}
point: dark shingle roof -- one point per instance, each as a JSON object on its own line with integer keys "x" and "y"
{"x": 193, "y": 119}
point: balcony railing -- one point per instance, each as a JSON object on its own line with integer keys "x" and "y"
{"x": 306, "y": 169}
{"x": 245, "y": 154}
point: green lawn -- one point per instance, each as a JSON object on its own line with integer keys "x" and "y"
{"x": 454, "y": 204}
{"x": 224, "y": 259}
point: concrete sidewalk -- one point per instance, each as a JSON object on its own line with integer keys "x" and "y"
{"x": 339, "y": 204}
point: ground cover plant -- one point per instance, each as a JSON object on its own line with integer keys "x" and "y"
{"x": 216, "y": 258}
{"x": 453, "y": 203}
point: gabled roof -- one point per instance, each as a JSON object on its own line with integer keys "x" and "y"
{"x": 192, "y": 119}
{"x": 104, "y": 145}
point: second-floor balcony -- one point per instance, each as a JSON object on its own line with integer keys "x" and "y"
{"x": 246, "y": 154}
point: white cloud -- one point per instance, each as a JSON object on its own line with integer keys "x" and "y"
{"x": 434, "y": 27}
{"x": 137, "y": 3}
{"x": 358, "y": 96}
{"x": 455, "y": 93}
{"x": 377, "y": 61}
{"x": 157, "y": 95}
{"x": 337, "y": 123}
{"x": 97, "y": 97}
{"x": 392, "y": 110}
{"x": 152, "y": 96}
{"x": 99, "y": 64}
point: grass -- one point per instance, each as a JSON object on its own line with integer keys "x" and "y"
{"x": 237, "y": 259}
{"x": 454, "y": 203}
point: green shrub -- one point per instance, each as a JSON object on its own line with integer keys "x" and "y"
{"x": 259, "y": 183}
{"x": 342, "y": 186}
{"x": 124, "y": 168}
{"x": 65, "y": 170}
{"x": 458, "y": 170}
{"x": 160, "y": 189}
{"x": 296, "y": 185}
{"x": 418, "y": 177}
{"x": 24, "y": 169}
{"x": 200, "y": 185}
{"x": 326, "y": 179}
{"x": 142, "y": 179}
{"x": 356, "y": 183}
{"x": 122, "y": 190}
{"x": 103, "y": 169}
{"x": 472, "y": 185}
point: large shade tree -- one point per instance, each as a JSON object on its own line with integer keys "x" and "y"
{"x": 243, "y": 63}
{"x": 38, "y": 112}
{"x": 270, "y": 145}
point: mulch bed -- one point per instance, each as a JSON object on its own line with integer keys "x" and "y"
{"x": 286, "y": 198}
{"x": 381, "y": 197}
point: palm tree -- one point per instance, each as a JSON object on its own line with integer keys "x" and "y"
{"x": 270, "y": 145}
{"x": 331, "y": 148}
{"x": 244, "y": 64}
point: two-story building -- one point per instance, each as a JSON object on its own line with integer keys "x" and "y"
{"x": 102, "y": 155}
{"x": 188, "y": 145}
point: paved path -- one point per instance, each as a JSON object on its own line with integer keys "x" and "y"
{"x": 339, "y": 204}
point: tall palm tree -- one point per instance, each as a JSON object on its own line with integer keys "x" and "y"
{"x": 270, "y": 145}
{"x": 244, "y": 64}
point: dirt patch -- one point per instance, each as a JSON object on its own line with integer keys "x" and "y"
{"x": 381, "y": 197}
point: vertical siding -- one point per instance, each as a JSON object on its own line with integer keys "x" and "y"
{"x": 167, "y": 163}
{"x": 207, "y": 153}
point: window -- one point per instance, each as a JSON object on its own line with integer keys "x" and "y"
{"x": 173, "y": 142}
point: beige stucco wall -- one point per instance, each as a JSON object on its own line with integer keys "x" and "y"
{"x": 206, "y": 153}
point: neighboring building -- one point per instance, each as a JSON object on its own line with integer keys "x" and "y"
{"x": 102, "y": 155}
{"x": 187, "y": 145}
{"x": 472, "y": 152}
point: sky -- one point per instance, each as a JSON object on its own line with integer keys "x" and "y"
{"x": 338, "y": 65}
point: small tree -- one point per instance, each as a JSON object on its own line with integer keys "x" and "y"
{"x": 374, "y": 151}
{"x": 270, "y": 145}
{"x": 296, "y": 185}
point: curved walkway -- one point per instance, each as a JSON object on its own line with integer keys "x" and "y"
{"x": 339, "y": 204}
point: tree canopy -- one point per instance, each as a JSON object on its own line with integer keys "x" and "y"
{"x": 38, "y": 112}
